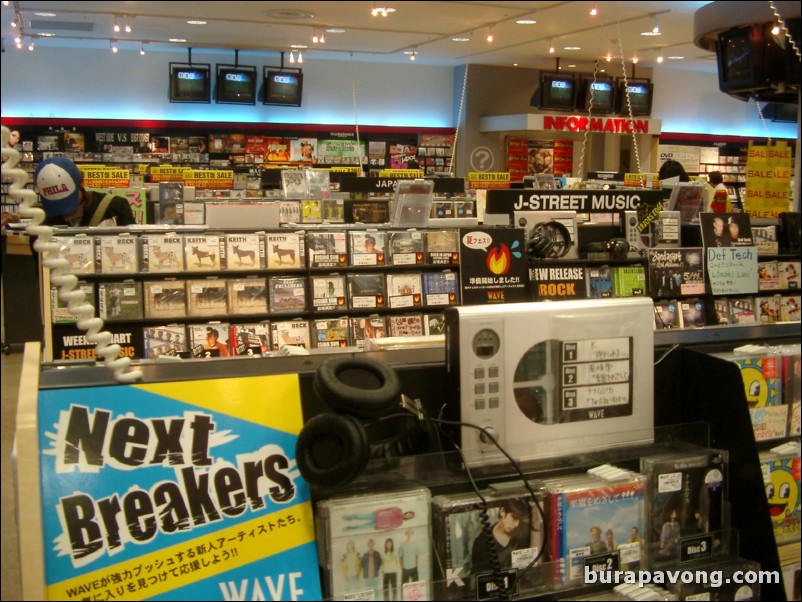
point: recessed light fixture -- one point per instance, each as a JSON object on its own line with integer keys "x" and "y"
{"x": 47, "y": 34}
{"x": 196, "y": 22}
{"x": 460, "y": 39}
{"x": 335, "y": 30}
{"x": 572, "y": 66}
{"x": 675, "y": 58}
{"x": 572, "y": 48}
{"x": 44, "y": 14}
{"x": 526, "y": 22}
{"x": 515, "y": 64}
{"x": 408, "y": 52}
{"x": 177, "y": 40}
{"x": 299, "y": 46}
{"x": 289, "y": 15}
{"x": 595, "y": 10}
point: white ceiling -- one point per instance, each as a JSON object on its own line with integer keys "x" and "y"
{"x": 427, "y": 28}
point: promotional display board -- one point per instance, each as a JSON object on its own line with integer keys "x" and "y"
{"x": 178, "y": 490}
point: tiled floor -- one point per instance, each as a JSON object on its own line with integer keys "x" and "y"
{"x": 11, "y": 368}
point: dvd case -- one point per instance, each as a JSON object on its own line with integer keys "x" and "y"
{"x": 600, "y": 282}
{"x": 440, "y": 289}
{"x": 332, "y": 332}
{"x": 462, "y": 564}
{"x": 287, "y": 294}
{"x": 768, "y": 276}
{"x": 293, "y": 184}
{"x": 326, "y": 249}
{"x": 781, "y": 476}
{"x": 245, "y": 251}
{"x": 165, "y": 299}
{"x": 247, "y": 296}
{"x": 207, "y": 297}
{"x": 406, "y": 325}
{"x": 120, "y": 300}
{"x": 117, "y": 254}
{"x": 667, "y": 315}
{"x": 367, "y": 248}
{"x": 742, "y": 311}
{"x": 789, "y": 308}
{"x": 442, "y": 247}
{"x": 289, "y": 332}
{"x": 789, "y": 274}
{"x": 162, "y": 253}
{"x": 693, "y": 313}
{"x": 376, "y": 546}
{"x": 368, "y": 327}
{"x": 406, "y": 247}
{"x": 204, "y": 253}
{"x": 169, "y": 340}
{"x": 434, "y": 324}
{"x": 251, "y": 339}
{"x": 60, "y": 311}
{"x": 209, "y": 340}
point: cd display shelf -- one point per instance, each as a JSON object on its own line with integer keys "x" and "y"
{"x": 699, "y": 402}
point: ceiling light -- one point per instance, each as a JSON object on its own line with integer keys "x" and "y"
{"x": 775, "y": 30}
{"x": 551, "y": 48}
{"x": 114, "y": 48}
{"x": 196, "y": 22}
{"x": 572, "y": 48}
{"x": 292, "y": 56}
{"x": 299, "y": 46}
{"x": 47, "y": 34}
{"x": 31, "y": 46}
{"x": 14, "y": 24}
{"x": 655, "y": 31}
{"x": 460, "y": 39}
{"x": 635, "y": 60}
{"x": 128, "y": 28}
{"x": 116, "y": 26}
{"x": 490, "y": 37}
{"x": 572, "y": 66}
{"x": 142, "y": 49}
{"x": 609, "y": 57}
{"x": 412, "y": 56}
{"x": 381, "y": 11}
{"x": 675, "y": 58}
{"x": 660, "y": 58}
{"x": 335, "y": 30}
{"x": 177, "y": 40}
{"x": 526, "y": 22}
{"x": 18, "y": 43}
{"x": 300, "y": 57}
{"x": 515, "y": 64}
{"x": 40, "y": 14}
{"x": 594, "y": 11}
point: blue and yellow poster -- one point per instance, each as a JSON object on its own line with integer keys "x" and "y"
{"x": 176, "y": 491}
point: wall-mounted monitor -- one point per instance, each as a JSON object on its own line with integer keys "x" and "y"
{"x": 639, "y": 92}
{"x": 283, "y": 87}
{"x": 190, "y": 82}
{"x": 557, "y": 92}
{"x": 236, "y": 84}
{"x": 603, "y": 90}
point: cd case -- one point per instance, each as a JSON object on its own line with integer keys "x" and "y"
{"x": 376, "y": 547}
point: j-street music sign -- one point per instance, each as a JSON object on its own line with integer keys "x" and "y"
{"x": 581, "y": 201}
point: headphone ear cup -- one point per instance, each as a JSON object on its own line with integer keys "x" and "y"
{"x": 360, "y": 386}
{"x": 618, "y": 248}
{"x": 540, "y": 243}
{"x": 332, "y": 450}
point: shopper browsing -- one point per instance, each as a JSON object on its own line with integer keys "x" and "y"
{"x": 67, "y": 203}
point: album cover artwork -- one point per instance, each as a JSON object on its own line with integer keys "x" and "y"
{"x": 685, "y": 498}
{"x": 328, "y": 292}
{"x": 767, "y": 309}
{"x": 693, "y": 313}
{"x": 327, "y": 249}
{"x": 768, "y": 276}
{"x": 331, "y": 332}
{"x": 78, "y": 251}
{"x": 366, "y": 212}
{"x": 440, "y": 289}
{"x": 406, "y": 325}
{"x": 406, "y": 248}
{"x": 667, "y": 315}
{"x": 434, "y": 324}
{"x": 290, "y": 332}
{"x": 209, "y": 340}
{"x": 789, "y": 274}
{"x": 722, "y": 308}
{"x": 250, "y": 339}
{"x": 460, "y": 547}
{"x": 311, "y": 211}
{"x": 442, "y": 247}
{"x": 207, "y": 297}
{"x": 791, "y": 372}
{"x": 762, "y": 379}
{"x": 464, "y": 209}
{"x": 591, "y": 517}
{"x": 162, "y": 253}
{"x": 120, "y": 300}
{"x": 376, "y": 546}
{"x": 334, "y": 211}
{"x": 630, "y": 280}
{"x": 369, "y": 327}
{"x": 404, "y": 290}
{"x": 789, "y": 308}
{"x": 165, "y": 299}
{"x": 247, "y": 296}
{"x": 600, "y": 282}
{"x": 287, "y": 294}
{"x": 289, "y": 212}
{"x": 366, "y": 291}
{"x": 60, "y": 311}
{"x": 781, "y": 476}
{"x": 117, "y": 254}
{"x": 169, "y": 340}
{"x": 676, "y": 272}
{"x": 285, "y": 250}
{"x": 204, "y": 253}
{"x": 742, "y": 311}
{"x": 245, "y": 251}
{"x": 293, "y": 184}
{"x": 367, "y": 248}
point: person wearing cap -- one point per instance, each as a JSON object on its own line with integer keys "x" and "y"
{"x": 67, "y": 203}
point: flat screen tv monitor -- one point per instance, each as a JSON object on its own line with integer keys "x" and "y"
{"x": 603, "y": 90}
{"x": 749, "y": 58}
{"x": 190, "y": 83}
{"x": 640, "y": 94}
{"x": 236, "y": 84}
{"x": 558, "y": 92}
{"x": 689, "y": 199}
{"x": 283, "y": 87}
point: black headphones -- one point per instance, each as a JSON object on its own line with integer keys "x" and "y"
{"x": 614, "y": 249}
{"x": 371, "y": 422}
{"x": 550, "y": 240}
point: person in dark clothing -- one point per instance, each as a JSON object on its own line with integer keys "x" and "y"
{"x": 671, "y": 169}
{"x": 67, "y": 203}
{"x": 511, "y": 532}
